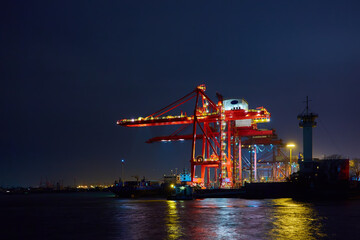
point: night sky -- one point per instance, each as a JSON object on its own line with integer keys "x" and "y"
{"x": 69, "y": 70}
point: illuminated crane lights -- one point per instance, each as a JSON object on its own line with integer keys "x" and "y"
{"x": 221, "y": 125}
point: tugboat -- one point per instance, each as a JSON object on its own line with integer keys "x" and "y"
{"x": 182, "y": 192}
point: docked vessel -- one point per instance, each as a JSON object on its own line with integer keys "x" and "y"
{"x": 144, "y": 188}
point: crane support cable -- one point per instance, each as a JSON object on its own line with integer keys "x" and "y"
{"x": 187, "y": 95}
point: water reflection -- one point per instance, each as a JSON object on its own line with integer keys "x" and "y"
{"x": 229, "y": 219}
{"x": 172, "y": 221}
{"x": 140, "y": 219}
{"x": 295, "y": 220}
{"x": 218, "y": 219}
{"x": 87, "y": 216}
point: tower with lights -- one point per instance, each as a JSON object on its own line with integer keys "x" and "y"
{"x": 307, "y": 122}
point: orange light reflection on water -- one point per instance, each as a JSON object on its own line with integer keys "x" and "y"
{"x": 295, "y": 220}
{"x": 174, "y": 230}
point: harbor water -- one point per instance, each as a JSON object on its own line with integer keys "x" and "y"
{"x": 102, "y": 216}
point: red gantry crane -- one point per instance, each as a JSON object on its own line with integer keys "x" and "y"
{"x": 219, "y": 127}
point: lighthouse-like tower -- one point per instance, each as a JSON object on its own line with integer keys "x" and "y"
{"x": 307, "y": 122}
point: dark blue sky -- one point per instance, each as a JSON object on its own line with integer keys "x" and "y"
{"x": 70, "y": 69}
